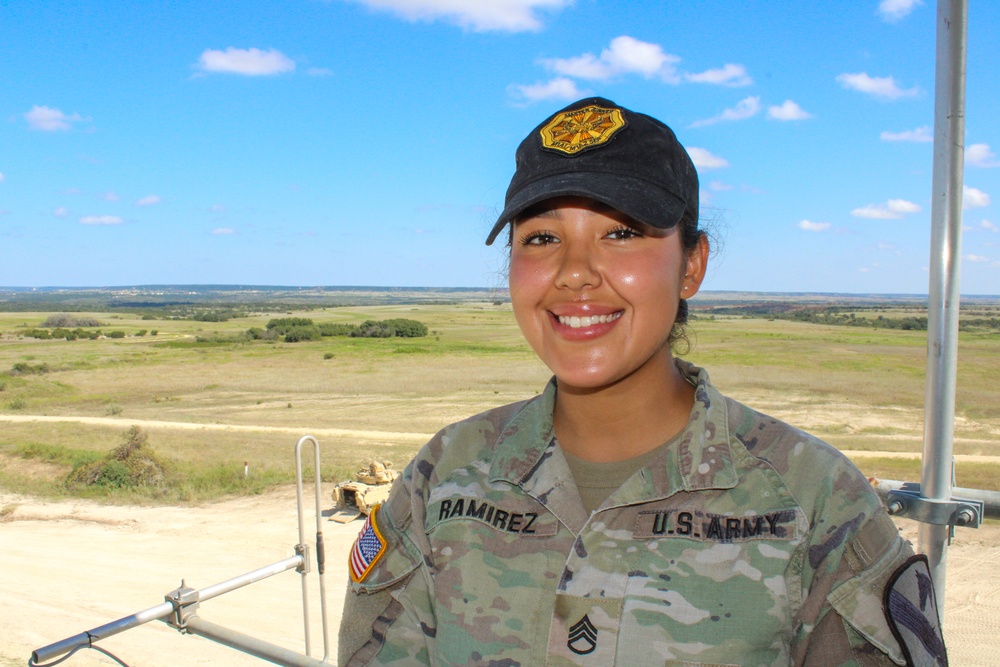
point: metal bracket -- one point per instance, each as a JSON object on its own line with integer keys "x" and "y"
{"x": 303, "y": 550}
{"x": 907, "y": 502}
{"x": 185, "y": 602}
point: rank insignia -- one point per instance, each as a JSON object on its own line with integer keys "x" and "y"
{"x": 582, "y": 637}
{"x": 368, "y": 548}
{"x": 574, "y": 131}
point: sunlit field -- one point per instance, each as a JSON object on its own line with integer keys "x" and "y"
{"x": 213, "y": 403}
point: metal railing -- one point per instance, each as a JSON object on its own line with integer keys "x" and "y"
{"x": 180, "y": 606}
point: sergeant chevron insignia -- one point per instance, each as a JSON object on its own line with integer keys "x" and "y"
{"x": 582, "y": 637}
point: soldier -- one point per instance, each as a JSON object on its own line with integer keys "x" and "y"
{"x": 630, "y": 514}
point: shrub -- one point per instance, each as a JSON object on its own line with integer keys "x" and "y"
{"x": 128, "y": 466}
{"x": 24, "y": 368}
{"x": 153, "y": 332}
{"x": 113, "y": 410}
{"x": 328, "y": 355}
{"x": 300, "y": 333}
{"x": 281, "y": 325}
{"x": 405, "y": 328}
{"x": 337, "y": 329}
{"x": 116, "y": 334}
{"x": 373, "y": 329}
{"x": 67, "y": 321}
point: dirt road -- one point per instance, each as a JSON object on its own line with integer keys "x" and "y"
{"x": 70, "y": 566}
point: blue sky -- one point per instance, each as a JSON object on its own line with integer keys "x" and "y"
{"x": 370, "y": 142}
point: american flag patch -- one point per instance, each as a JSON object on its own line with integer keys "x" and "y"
{"x": 368, "y": 548}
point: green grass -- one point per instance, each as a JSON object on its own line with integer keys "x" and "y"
{"x": 869, "y": 380}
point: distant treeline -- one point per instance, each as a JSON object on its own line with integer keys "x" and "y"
{"x": 164, "y": 301}
{"x": 845, "y": 316}
{"x": 296, "y": 329}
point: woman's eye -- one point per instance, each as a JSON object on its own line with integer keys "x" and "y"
{"x": 538, "y": 238}
{"x": 622, "y": 233}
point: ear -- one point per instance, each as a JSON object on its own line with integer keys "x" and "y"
{"x": 695, "y": 267}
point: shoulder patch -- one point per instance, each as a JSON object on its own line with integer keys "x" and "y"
{"x": 912, "y": 613}
{"x": 368, "y": 548}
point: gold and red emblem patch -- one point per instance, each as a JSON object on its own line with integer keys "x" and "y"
{"x": 573, "y": 131}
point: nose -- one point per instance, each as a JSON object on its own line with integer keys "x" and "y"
{"x": 578, "y": 269}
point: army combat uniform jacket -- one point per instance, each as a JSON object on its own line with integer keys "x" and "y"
{"x": 745, "y": 542}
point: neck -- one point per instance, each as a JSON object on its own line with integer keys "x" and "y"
{"x": 626, "y": 419}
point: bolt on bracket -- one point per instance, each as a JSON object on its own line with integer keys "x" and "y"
{"x": 185, "y": 602}
{"x": 910, "y": 504}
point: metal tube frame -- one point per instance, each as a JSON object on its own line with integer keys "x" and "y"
{"x": 180, "y": 605}
{"x": 301, "y": 546}
{"x": 943, "y": 292}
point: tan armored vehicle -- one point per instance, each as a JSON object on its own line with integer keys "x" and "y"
{"x": 369, "y": 487}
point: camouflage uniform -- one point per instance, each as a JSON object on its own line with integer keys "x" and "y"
{"x": 746, "y": 542}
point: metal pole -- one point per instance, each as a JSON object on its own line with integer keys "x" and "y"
{"x": 320, "y": 549}
{"x": 943, "y": 293}
{"x": 252, "y": 645}
{"x": 159, "y": 612}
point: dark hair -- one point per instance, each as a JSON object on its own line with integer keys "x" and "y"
{"x": 691, "y": 235}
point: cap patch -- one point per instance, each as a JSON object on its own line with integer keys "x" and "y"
{"x": 574, "y": 131}
{"x": 368, "y": 548}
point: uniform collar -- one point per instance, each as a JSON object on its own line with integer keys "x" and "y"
{"x": 699, "y": 457}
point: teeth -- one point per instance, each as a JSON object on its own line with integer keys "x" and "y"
{"x": 578, "y": 322}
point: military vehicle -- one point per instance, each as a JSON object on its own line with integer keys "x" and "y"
{"x": 369, "y": 487}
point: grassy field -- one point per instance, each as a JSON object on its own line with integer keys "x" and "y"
{"x": 860, "y": 389}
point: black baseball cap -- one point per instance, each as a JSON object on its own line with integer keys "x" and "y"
{"x": 594, "y": 148}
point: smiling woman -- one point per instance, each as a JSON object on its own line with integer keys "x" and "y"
{"x": 630, "y": 514}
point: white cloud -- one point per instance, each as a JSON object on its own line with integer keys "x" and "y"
{"x": 625, "y": 55}
{"x": 149, "y": 200}
{"x": 248, "y": 62}
{"x": 973, "y": 198}
{"x": 894, "y": 10}
{"x": 788, "y": 110}
{"x": 745, "y": 108}
{"x": 977, "y": 258}
{"x": 920, "y": 134}
{"x": 719, "y": 186}
{"x": 559, "y": 88}
{"x": 891, "y": 210}
{"x": 319, "y": 71}
{"x": 811, "y": 226}
{"x": 705, "y": 160}
{"x": 222, "y": 231}
{"x": 2, "y": 177}
{"x": 110, "y": 196}
{"x": 47, "y": 119}
{"x": 477, "y": 15}
{"x": 882, "y": 87}
{"x": 980, "y": 155}
{"x": 60, "y": 212}
{"x": 728, "y": 75}
{"x": 986, "y": 224}
{"x": 101, "y": 220}
{"x": 217, "y": 208}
